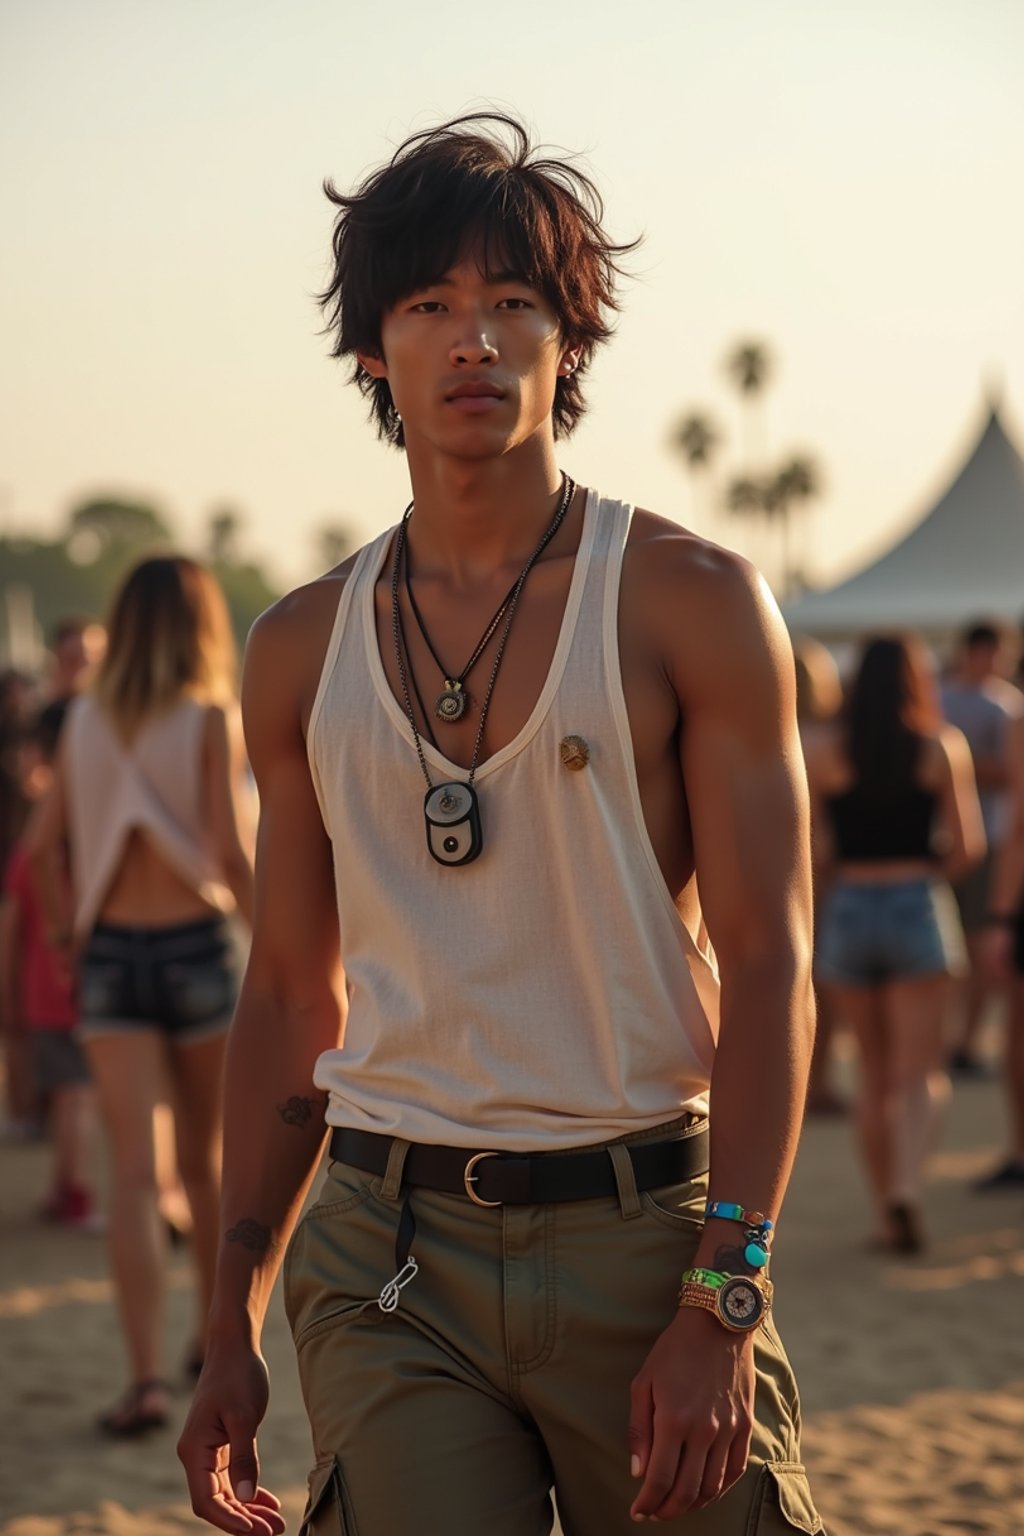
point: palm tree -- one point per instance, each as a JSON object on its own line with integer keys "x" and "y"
{"x": 795, "y": 484}
{"x": 745, "y": 498}
{"x": 222, "y": 532}
{"x": 749, "y": 365}
{"x": 696, "y": 438}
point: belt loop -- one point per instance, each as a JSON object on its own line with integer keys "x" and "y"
{"x": 391, "y": 1187}
{"x": 625, "y": 1181}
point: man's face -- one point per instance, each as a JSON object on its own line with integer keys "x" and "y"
{"x": 472, "y": 362}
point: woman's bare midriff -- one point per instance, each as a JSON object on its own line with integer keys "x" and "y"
{"x": 147, "y": 893}
{"x": 892, "y": 872}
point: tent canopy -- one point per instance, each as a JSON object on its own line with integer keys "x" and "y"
{"x": 964, "y": 560}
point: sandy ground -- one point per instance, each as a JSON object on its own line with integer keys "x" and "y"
{"x": 912, "y": 1373}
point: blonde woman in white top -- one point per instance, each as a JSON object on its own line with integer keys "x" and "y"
{"x": 146, "y": 813}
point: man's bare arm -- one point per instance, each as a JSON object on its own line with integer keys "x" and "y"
{"x": 729, "y": 661}
{"x": 288, "y": 1013}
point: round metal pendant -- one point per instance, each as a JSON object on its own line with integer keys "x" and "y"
{"x": 451, "y": 705}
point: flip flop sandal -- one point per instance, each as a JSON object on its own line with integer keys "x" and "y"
{"x": 129, "y": 1417}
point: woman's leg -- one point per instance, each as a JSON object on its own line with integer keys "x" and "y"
{"x": 861, "y": 1009}
{"x": 918, "y": 1083}
{"x": 197, "y": 1073}
{"x": 128, "y": 1070}
{"x": 73, "y": 1125}
{"x": 822, "y": 1098}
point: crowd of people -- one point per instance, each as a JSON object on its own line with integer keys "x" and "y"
{"x": 918, "y": 814}
{"x": 126, "y": 821}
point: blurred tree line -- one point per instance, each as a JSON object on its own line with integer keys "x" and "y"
{"x": 76, "y": 573}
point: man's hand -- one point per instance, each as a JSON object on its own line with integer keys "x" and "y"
{"x": 691, "y": 1416}
{"x": 218, "y": 1445}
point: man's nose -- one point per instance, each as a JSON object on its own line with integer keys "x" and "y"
{"x": 473, "y": 349}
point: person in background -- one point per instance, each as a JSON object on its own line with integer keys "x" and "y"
{"x": 23, "y": 1116}
{"x": 1003, "y": 955}
{"x": 819, "y": 698}
{"x": 76, "y": 646}
{"x": 895, "y": 788}
{"x": 145, "y": 800}
{"x": 37, "y": 993}
{"x": 980, "y": 702}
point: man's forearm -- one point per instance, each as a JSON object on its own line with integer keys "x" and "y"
{"x": 758, "y": 1089}
{"x": 273, "y": 1136}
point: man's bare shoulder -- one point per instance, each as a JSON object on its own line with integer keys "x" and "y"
{"x": 302, "y": 612}
{"x": 709, "y": 606}
{"x": 285, "y": 652}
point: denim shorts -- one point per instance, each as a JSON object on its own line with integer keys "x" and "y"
{"x": 182, "y": 980}
{"x": 873, "y": 933}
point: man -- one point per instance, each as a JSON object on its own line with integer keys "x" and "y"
{"x": 504, "y": 742}
{"x": 978, "y": 700}
{"x": 76, "y": 646}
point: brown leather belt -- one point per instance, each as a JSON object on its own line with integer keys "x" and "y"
{"x": 510, "y": 1178}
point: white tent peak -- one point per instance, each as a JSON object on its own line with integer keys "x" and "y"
{"x": 963, "y": 560}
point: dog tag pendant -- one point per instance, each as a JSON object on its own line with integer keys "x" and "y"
{"x": 453, "y": 823}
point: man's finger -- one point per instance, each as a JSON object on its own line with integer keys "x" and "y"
{"x": 204, "y": 1486}
{"x": 682, "y": 1492}
{"x": 243, "y": 1464}
{"x": 641, "y": 1427}
{"x": 712, "y": 1483}
{"x": 739, "y": 1454}
{"x": 663, "y": 1464}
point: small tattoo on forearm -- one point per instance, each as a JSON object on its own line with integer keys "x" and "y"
{"x": 732, "y": 1261}
{"x": 250, "y": 1234}
{"x": 296, "y": 1110}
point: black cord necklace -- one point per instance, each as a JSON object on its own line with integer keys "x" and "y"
{"x": 452, "y": 704}
{"x": 452, "y": 810}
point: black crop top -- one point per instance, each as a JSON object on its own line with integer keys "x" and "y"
{"x": 899, "y": 827}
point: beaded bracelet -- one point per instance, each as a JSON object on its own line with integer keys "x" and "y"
{"x": 759, "y": 1228}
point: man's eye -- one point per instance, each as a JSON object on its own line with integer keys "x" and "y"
{"x": 428, "y": 307}
{"x": 514, "y": 304}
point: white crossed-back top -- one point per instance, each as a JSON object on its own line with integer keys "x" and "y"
{"x": 153, "y": 785}
{"x": 547, "y": 994}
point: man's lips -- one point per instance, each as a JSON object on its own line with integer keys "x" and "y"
{"x": 475, "y": 395}
{"x": 473, "y": 389}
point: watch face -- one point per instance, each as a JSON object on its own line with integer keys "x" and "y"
{"x": 741, "y": 1303}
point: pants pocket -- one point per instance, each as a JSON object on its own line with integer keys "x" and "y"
{"x": 783, "y": 1502}
{"x": 327, "y": 1511}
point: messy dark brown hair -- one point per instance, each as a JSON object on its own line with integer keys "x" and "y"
{"x": 472, "y": 184}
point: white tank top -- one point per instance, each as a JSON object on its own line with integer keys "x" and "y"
{"x": 154, "y": 785}
{"x": 548, "y": 994}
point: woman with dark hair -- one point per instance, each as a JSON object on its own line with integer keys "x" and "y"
{"x": 893, "y": 790}
{"x": 146, "y": 804}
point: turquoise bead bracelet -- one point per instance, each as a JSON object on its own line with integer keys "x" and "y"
{"x": 759, "y": 1228}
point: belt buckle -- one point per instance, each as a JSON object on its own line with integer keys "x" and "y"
{"x": 469, "y": 1178}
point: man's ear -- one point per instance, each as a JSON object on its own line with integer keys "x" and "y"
{"x": 569, "y": 362}
{"x": 373, "y": 364}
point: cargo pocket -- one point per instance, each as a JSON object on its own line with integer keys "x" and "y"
{"x": 327, "y": 1511}
{"x": 783, "y": 1502}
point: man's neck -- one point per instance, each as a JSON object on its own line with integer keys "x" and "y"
{"x": 474, "y": 517}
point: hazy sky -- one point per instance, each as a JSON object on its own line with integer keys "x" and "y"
{"x": 843, "y": 180}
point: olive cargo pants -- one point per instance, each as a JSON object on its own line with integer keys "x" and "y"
{"x": 504, "y": 1371}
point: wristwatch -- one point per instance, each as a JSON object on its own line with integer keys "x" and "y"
{"x": 740, "y": 1302}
